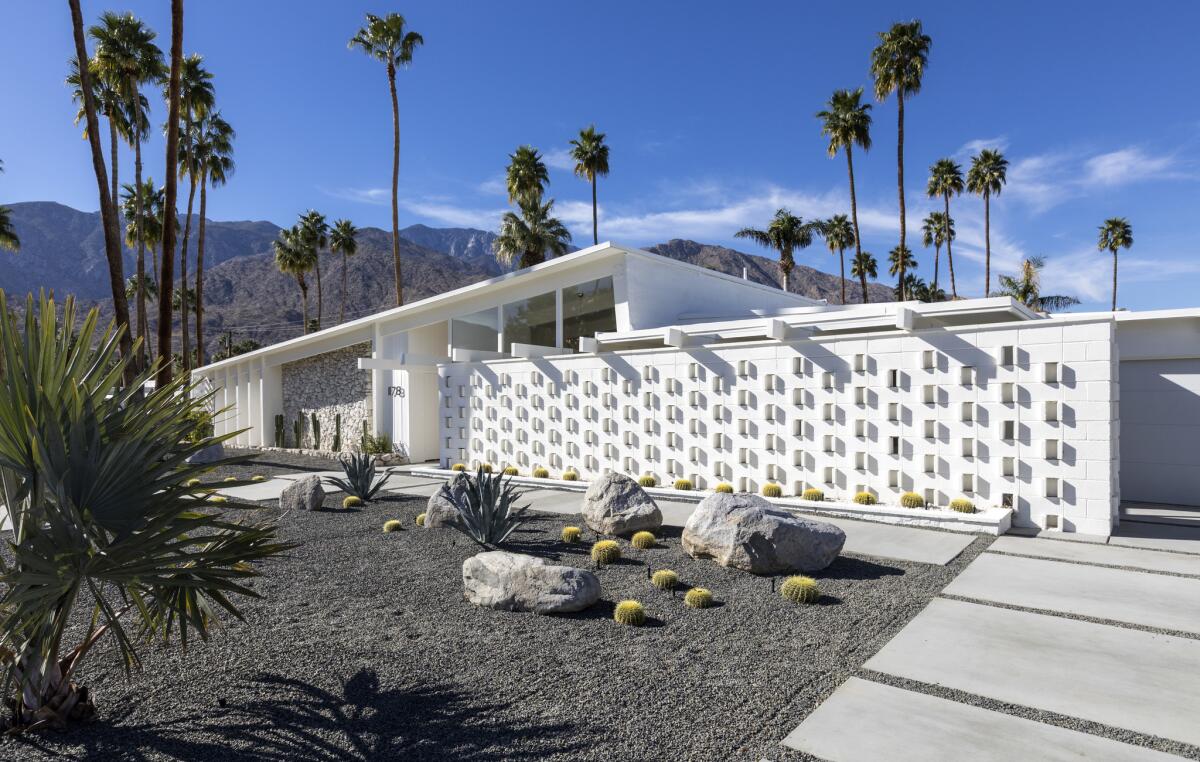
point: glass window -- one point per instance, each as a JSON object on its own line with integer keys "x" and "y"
{"x": 530, "y": 321}
{"x": 480, "y": 330}
{"x": 588, "y": 309}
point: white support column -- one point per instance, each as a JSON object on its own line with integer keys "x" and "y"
{"x": 244, "y": 417}
{"x": 224, "y": 400}
{"x": 558, "y": 318}
{"x": 254, "y": 379}
{"x": 380, "y": 409}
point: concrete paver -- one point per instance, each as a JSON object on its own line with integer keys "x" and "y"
{"x": 1110, "y": 555}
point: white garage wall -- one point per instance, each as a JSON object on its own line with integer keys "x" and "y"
{"x": 1160, "y": 431}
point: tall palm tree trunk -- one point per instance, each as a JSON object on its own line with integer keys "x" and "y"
{"x": 303, "y": 300}
{"x": 200, "y": 272}
{"x": 317, "y": 267}
{"x": 987, "y": 244}
{"x": 108, "y": 203}
{"x": 112, "y": 149}
{"x": 391, "y": 72}
{"x": 900, "y": 177}
{"x": 937, "y": 254}
{"x": 345, "y": 266}
{"x": 854, "y": 218}
{"x": 862, "y": 277}
{"x": 183, "y": 306}
{"x": 595, "y": 223}
{"x": 949, "y": 254}
{"x": 842, "y": 260}
{"x": 1114, "y": 303}
{"x": 143, "y": 317}
{"x": 170, "y": 214}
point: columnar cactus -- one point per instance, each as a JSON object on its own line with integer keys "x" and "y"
{"x": 316, "y": 431}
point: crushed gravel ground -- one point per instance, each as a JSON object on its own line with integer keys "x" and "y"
{"x": 363, "y": 648}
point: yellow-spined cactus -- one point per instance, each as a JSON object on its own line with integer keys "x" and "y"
{"x": 664, "y": 579}
{"x": 698, "y": 598}
{"x": 606, "y": 552}
{"x": 487, "y": 467}
{"x": 230, "y": 479}
{"x": 420, "y": 519}
{"x": 648, "y": 480}
{"x": 541, "y": 473}
{"x": 394, "y": 525}
{"x": 912, "y": 500}
{"x": 192, "y": 483}
{"x": 962, "y": 505}
{"x": 459, "y": 467}
{"x": 642, "y": 540}
{"x": 724, "y": 488}
{"x": 814, "y": 494}
{"x": 258, "y": 478}
{"x": 571, "y": 534}
{"x": 772, "y": 490}
{"x": 631, "y": 613}
{"x": 683, "y": 485}
{"x": 352, "y": 501}
{"x": 865, "y": 498}
{"x": 218, "y": 499}
{"x": 511, "y": 471}
{"x": 570, "y": 475}
{"x": 800, "y": 590}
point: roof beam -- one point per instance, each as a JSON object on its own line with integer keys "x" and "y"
{"x": 781, "y": 330}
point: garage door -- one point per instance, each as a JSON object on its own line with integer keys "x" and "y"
{"x": 1160, "y": 431}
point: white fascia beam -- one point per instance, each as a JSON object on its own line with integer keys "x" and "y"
{"x": 537, "y": 350}
{"x": 476, "y": 355}
{"x": 906, "y": 319}
{"x": 781, "y": 330}
{"x": 681, "y": 339}
{"x": 404, "y": 360}
{"x": 588, "y": 346}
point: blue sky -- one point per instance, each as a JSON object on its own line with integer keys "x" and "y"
{"x": 708, "y": 109}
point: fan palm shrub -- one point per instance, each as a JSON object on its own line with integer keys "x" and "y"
{"x": 361, "y": 480}
{"x": 107, "y": 531}
{"x": 486, "y": 505}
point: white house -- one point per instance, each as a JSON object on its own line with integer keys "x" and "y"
{"x": 613, "y": 358}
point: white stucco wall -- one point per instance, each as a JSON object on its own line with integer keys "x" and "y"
{"x": 823, "y": 413}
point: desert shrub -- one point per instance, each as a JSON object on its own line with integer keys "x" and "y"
{"x": 459, "y": 467}
{"x": 724, "y": 487}
{"x": 511, "y": 471}
{"x": 814, "y": 494}
{"x": 648, "y": 480}
{"x": 772, "y": 490}
{"x": 631, "y": 613}
{"x": 665, "y": 579}
{"x": 571, "y": 534}
{"x": 486, "y": 505}
{"x": 865, "y": 498}
{"x": 420, "y": 519}
{"x": 912, "y": 500}
{"x": 684, "y": 485}
{"x": 541, "y": 473}
{"x": 201, "y": 421}
{"x": 258, "y": 478}
{"x": 394, "y": 525}
{"x": 377, "y": 445}
{"x": 800, "y": 590}
{"x": 352, "y": 501}
{"x": 570, "y": 475}
{"x": 698, "y": 598}
{"x": 361, "y": 480}
{"x": 606, "y": 552}
{"x": 642, "y": 540}
{"x": 962, "y": 505}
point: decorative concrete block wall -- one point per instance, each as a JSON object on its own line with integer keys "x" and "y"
{"x": 1020, "y": 415}
{"x": 328, "y": 384}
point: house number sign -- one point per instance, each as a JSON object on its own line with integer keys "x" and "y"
{"x": 395, "y": 391}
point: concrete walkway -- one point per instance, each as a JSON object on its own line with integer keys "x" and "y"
{"x": 1117, "y": 673}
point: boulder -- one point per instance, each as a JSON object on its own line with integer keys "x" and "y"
{"x": 507, "y": 581}
{"x": 746, "y": 532}
{"x": 209, "y": 454}
{"x": 305, "y": 495}
{"x": 440, "y": 512}
{"x": 616, "y": 504}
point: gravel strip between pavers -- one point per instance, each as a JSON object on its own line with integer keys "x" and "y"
{"x": 363, "y": 648}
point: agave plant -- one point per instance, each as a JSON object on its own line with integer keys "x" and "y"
{"x": 95, "y": 477}
{"x": 486, "y": 507}
{"x": 360, "y": 480}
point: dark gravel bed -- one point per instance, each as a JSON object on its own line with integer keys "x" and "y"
{"x": 362, "y": 648}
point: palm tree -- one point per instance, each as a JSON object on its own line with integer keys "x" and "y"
{"x": 839, "y": 236}
{"x": 937, "y": 230}
{"x": 111, "y": 107}
{"x": 108, "y": 199}
{"x": 591, "y": 160}
{"x": 526, "y": 177}
{"x": 987, "y": 175}
{"x": 132, "y": 287}
{"x": 214, "y": 152}
{"x": 315, "y": 234}
{"x": 386, "y": 39}
{"x": 847, "y": 123}
{"x": 898, "y": 64}
{"x": 126, "y": 58}
{"x": 1115, "y": 233}
{"x": 900, "y": 262}
{"x": 196, "y": 97}
{"x": 143, "y": 212}
{"x": 529, "y": 237}
{"x": 946, "y": 180}
{"x": 343, "y": 239}
{"x": 294, "y": 257}
{"x": 1026, "y": 288}
{"x": 864, "y": 266}
{"x": 785, "y": 234}
{"x": 915, "y": 288}
{"x": 166, "y": 357}
{"x": 8, "y": 236}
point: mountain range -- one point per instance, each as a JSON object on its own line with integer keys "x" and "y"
{"x": 62, "y": 249}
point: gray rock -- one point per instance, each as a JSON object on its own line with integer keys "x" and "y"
{"x": 210, "y": 454}
{"x": 305, "y": 495}
{"x": 616, "y": 504}
{"x": 746, "y": 532}
{"x": 440, "y": 512}
{"x": 516, "y": 582}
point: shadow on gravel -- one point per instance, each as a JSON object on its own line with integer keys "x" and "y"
{"x": 846, "y": 567}
{"x": 295, "y": 720}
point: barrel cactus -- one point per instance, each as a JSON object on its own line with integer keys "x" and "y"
{"x": 684, "y": 485}
{"x": 571, "y": 534}
{"x": 631, "y": 613}
{"x": 648, "y": 480}
{"x": 665, "y": 579}
{"x": 511, "y": 471}
{"x": 642, "y": 540}
{"x": 218, "y": 499}
{"x": 962, "y": 505}
{"x": 772, "y": 490}
{"x": 800, "y": 590}
{"x": 698, "y": 598}
{"x": 606, "y": 552}
{"x": 570, "y": 475}
{"x": 459, "y": 467}
{"x": 814, "y": 494}
{"x": 230, "y": 479}
{"x": 352, "y": 501}
{"x": 258, "y": 478}
{"x": 420, "y": 519}
{"x": 192, "y": 483}
{"x": 912, "y": 500}
{"x": 487, "y": 467}
{"x": 541, "y": 473}
{"x": 393, "y": 525}
{"x": 865, "y": 498}
{"x": 724, "y": 488}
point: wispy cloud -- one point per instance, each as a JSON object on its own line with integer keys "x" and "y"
{"x": 559, "y": 158}
{"x": 1129, "y": 165}
{"x": 972, "y": 147}
{"x": 1048, "y": 179}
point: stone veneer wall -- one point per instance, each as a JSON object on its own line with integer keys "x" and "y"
{"x": 327, "y": 384}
